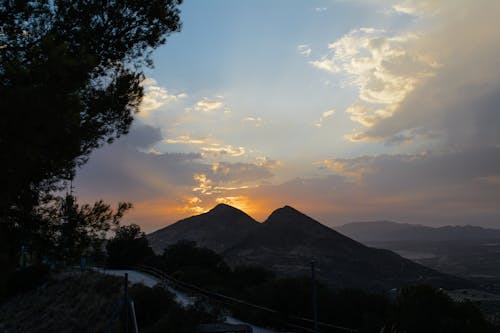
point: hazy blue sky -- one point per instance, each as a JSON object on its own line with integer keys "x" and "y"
{"x": 346, "y": 110}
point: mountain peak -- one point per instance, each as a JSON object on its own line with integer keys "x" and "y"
{"x": 220, "y": 228}
{"x": 288, "y": 214}
{"x": 225, "y": 209}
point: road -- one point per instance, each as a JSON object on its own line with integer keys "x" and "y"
{"x": 181, "y": 298}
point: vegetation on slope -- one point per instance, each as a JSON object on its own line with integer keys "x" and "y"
{"x": 93, "y": 302}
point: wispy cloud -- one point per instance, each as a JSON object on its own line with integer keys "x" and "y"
{"x": 209, "y": 146}
{"x": 305, "y": 50}
{"x": 325, "y": 64}
{"x": 324, "y": 116}
{"x": 218, "y": 150}
{"x": 185, "y": 139}
{"x": 254, "y": 121}
{"x": 209, "y": 105}
{"x": 416, "y": 8}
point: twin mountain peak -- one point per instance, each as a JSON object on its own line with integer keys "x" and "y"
{"x": 225, "y": 226}
{"x": 284, "y": 214}
{"x": 288, "y": 240}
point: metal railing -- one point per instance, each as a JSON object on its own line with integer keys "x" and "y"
{"x": 228, "y": 300}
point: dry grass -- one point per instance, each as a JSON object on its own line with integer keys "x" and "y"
{"x": 68, "y": 302}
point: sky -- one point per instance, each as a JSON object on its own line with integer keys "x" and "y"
{"x": 346, "y": 110}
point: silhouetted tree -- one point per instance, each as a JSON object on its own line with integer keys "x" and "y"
{"x": 69, "y": 231}
{"x": 129, "y": 247}
{"x": 185, "y": 254}
{"x": 70, "y": 81}
{"x": 426, "y": 309}
{"x": 200, "y": 266}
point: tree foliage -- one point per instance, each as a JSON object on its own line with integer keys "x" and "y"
{"x": 418, "y": 308}
{"x": 128, "y": 247}
{"x": 425, "y": 309}
{"x": 70, "y": 81}
{"x": 68, "y": 230}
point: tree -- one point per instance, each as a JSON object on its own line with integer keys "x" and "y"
{"x": 69, "y": 230}
{"x": 186, "y": 253}
{"x": 70, "y": 81}
{"x": 423, "y": 308}
{"x": 197, "y": 265}
{"x": 129, "y": 247}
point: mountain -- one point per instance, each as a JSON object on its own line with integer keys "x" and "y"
{"x": 218, "y": 229}
{"x": 466, "y": 251}
{"x": 287, "y": 242}
{"x": 387, "y": 231}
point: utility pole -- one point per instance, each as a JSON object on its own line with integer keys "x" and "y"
{"x": 314, "y": 296}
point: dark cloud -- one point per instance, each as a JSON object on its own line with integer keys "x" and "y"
{"x": 141, "y": 136}
{"x": 127, "y": 170}
{"x": 240, "y": 172}
{"x": 460, "y": 187}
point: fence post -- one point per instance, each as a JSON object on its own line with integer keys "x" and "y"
{"x": 134, "y": 319}
{"x": 126, "y": 302}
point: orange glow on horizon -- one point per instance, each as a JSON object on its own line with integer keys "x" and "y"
{"x": 158, "y": 213}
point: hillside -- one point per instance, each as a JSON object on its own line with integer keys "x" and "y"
{"x": 219, "y": 229}
{"x": 467, "y": 251}
{"x": 387, "y": 231}
{"x": 288, "y": 240}
{"x": 71, "y": 302}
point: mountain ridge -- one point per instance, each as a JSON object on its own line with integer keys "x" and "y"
{"x": 286, "y": 242}
{"x": 386, "y": 231}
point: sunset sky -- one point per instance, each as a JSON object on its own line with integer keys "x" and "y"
{"x": 345, "y": 110}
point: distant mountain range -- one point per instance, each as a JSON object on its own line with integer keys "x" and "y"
{"x": 287, "y": 242}
{"x": 388, "y": 231}
{"x": 466, "y": 251}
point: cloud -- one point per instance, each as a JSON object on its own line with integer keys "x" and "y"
{"x": 193, "y": 205}
{"x": 416, "y": 8}
{"x": 325, "y": 115}
{"x": 141, "y": 136}
{"x": 185, "y": 139}
{"x": 436, "y": 83}
{"x": 218, "y": 150}
{"x": 238, "y": 173}
{"x": 304, "y": 49}
{"x": 126, "y": 170}
{"x": 354, "y": 168}
{"x": 255, "y": 121}
{"x": 384, "y": 68}
{"x": 165, "y": 185}
{"x": 430, "y": 187}
{"x": 209, "y": 147}
{"x": 320, "y": 9}
{"x": 366, "y": 115}
{"x": 156, "y": 97}
{"x": 204, "y": 184}
{"x": 208, "y": 105}
{"x": 268, "y": 162}
{"x": 326, "y": 65}
{"x": 459, "y": 104}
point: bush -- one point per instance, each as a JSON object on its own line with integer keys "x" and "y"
{"x": 156, "y": 311}
{"x": 150, "y": 303}
{"x": 425, "y": 309}
{"x": 26, "y": 279}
